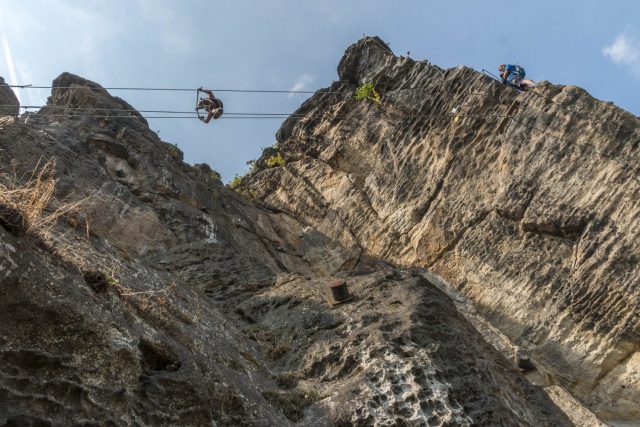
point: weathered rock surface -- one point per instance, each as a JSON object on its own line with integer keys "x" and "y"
{"x": 140, "y": 351}
{"x": 167, "y": 299}
{"x": 399, "y": 353}
{"x": 526, "y": 202}
{"x": 9, "y": 105}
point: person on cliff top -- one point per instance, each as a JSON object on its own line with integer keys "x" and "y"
{"x": 212, "y": 105}
{"x": 514, "y": 75}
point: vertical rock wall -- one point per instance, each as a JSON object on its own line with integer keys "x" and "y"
{"x": 164, "y": 298}
{"x": 527, "y": 202}
{"x": 9, "y": 105}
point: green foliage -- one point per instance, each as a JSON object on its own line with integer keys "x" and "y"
{"x": 214, "y": 175}
{"x": 275, "y": 161}
{"x": 174, "y": 151}
{"x": 367, "y": 91}
{"x": 112, "y": 281}
{"x": 235, "y": 182}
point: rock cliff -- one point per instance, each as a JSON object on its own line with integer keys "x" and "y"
{"x": 527, "y": 203}
{"x": 9, "y": 105}
{"x": 138, "y": 290}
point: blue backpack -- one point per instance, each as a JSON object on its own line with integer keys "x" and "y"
{"x": 520, "y": 70}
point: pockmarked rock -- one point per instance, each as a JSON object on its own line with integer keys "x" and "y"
{"x": 525, "y": 202}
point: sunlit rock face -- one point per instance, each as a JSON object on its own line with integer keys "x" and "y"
{"x": 160, "y": 297}
{"x": 527, "y": 203}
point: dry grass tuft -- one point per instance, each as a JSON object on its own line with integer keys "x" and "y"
{"x": 144, "y": 300}
{"x": 32, "y": 197}
{"x": 6, "y": 121}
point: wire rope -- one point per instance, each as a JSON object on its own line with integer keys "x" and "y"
{"x": 167, "y": 89}
{"x": 260, "y": 116}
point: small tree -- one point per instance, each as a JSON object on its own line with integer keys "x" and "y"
{"x": 367, "y": 91}
{"x": 274, "y": 161}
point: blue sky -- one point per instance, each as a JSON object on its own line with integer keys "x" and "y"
{"x": 296, "y": 44}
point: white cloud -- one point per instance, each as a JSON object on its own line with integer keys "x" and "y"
{"x": 624, "y": 51}
{"x": 302, "y": 83}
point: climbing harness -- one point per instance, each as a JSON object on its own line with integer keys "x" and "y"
{"x": 493, "y": 76}
{"x": 212, "y": 105}
{"x": 200, "y": 116}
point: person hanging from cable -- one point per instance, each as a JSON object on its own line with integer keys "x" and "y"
{"x": 212, "y": 105}
{"x": 514, "y": 76}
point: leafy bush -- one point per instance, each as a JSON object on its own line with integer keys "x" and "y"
{"x": 274, "y": 161}
{"x": 174, "y": 151}
{"x": 235, "y": 182}
{"x": 367, "y": 91}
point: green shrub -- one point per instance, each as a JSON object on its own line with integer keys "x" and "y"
{"x": 274, "y": 161}
{"x": 175, "y": 152}
{"x": 235, "y": 182}
{"x": 112, "y": 281}
{"x": 367, "y": 91}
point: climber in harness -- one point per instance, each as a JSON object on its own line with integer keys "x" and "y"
{"x": 211, "y": 105}
{"x": 514, "y": 75}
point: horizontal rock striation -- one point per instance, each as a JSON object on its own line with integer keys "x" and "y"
{"x": 528, "y": 203}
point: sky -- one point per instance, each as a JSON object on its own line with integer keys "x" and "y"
{"x": 296, "y": 45}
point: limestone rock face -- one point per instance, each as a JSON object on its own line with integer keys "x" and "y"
{"x": 526, "y": 202}
{"x": 165, "y": 298}
{"x": 122, "y": 353}
{"x": 399, "y": 353}
{"x": 9, "y": 105}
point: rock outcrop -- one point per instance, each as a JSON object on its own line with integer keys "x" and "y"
{"x": 9, "y": 105}
{"x": 160, "y": 297}
{"x": 525, "y": 202}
